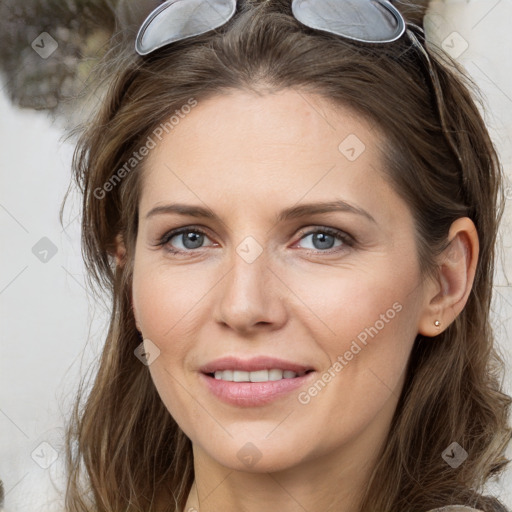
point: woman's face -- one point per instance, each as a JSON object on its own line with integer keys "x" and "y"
{"x": 262, "y": 270}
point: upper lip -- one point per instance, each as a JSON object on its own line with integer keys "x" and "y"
{"x": 252, "y": 365}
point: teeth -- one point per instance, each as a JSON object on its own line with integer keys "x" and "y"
{"x": 275, "y": 374}
{"x": 259, "y": 376}
{"x": 239, "y": 376}
{"x": 256, "y": 376}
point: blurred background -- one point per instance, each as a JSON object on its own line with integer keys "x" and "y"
{"x": 52, "y": 326}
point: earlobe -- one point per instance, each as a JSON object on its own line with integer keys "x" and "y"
{"x": 446, "y": 297}
{"x": 120, "y": 255}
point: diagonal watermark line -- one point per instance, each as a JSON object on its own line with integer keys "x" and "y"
{"x": 384, "y": 384}
{"x": 208, "y": 207}
{"x": 307, "y": 192}
{"x": 498, "y": 293}
{"x": 301, "y": 300}
{"x": 492, "y": 81}
{"x": 12, "y": 280}
{"x": 199, "y": 403}
{"x": 14, "y": 218}
{"x": 286, "y": 491}
{"x": 77, "y": 281}
{"x": 486, "y": 14}
{"x": 212, "y": 491}
{"x": 86, "y": 89}
{"x": 16, "y": 483}
{"x": 14, "y": 423}
{"x": 70, "y": 222}
{"x": 270, "y": 433}
{"x": 313, "y": 107}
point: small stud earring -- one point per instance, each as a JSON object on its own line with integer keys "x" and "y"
{"x": 437, "y": 323}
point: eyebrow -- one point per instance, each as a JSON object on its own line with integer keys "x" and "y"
{"x": 294, "y": 212}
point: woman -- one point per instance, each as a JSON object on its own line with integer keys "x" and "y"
{"x": 295, "y": 206}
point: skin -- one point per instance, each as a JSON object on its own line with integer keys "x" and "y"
{"x": 247, "y": 157}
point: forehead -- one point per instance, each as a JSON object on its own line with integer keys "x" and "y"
{"x": 261, "y": 125}
{"x": 274, "y": 148}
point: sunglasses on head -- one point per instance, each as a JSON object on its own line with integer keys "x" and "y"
{"x": 363, "y": 21}
{"x": 368, "y": 21}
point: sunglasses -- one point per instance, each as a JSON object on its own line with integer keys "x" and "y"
{"x": 362, "y": 21}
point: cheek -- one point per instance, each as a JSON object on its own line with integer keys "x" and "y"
{"x": 366, "y": 323}
{"x": 367, "y": 303}
{"x": 166, "y": 300}
{"x": 369, "y": 328}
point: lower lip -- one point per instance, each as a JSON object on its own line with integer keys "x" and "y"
{"x": 251, "y": 394}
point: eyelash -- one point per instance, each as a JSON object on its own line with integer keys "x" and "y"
{"x": 348, "y": 240}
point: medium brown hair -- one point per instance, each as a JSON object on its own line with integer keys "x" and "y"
{"x": 124, "y": 450}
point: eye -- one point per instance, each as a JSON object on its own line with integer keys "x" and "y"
{"x": 324, "y": 239}
{"x": 184, "y": 240}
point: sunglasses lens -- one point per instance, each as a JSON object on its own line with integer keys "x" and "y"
{"x": 180, "y": 19}
{"x": 370, "y": 21}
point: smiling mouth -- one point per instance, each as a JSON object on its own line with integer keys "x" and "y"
{"x": 270, "y": 375}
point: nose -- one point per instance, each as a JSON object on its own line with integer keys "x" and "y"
{"x": 251, "y": 297}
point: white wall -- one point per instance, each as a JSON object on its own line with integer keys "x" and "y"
{"x": 46, "y": 313}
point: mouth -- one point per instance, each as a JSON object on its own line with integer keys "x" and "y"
{"x": 230, "y": 366}
{"x": 255, "y": 382}
{"x": 266, "y": 375}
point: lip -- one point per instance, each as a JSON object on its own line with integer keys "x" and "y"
{"x": 253, "y": 394}
{"x": 253, "y": 365}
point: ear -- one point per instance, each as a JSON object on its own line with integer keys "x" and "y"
{"x": 120, "y": 255}
{"x": 120, "y": 251}
{"x": 447, "y": 295}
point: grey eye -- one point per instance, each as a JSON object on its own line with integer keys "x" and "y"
{"x": 322, "y": 241}
{"x": 189, "y": 240}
